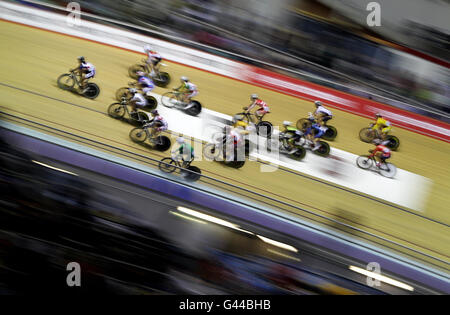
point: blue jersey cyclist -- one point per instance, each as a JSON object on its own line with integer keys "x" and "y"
{"x": 145, "y": 83}
{"x": 314, "y": 133}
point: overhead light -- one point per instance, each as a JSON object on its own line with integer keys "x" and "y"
{"x": 207, "y": 217}
{"x": 187, "y": 218}
{"x": 381, "y": 278}
{"x": 278, "y": 244}
{"x": 283, "y": 255}
{"x": 54, "y": 168}
{"x": 212, "y": 219}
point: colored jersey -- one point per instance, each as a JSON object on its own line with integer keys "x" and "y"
{"x": 320, "y": 130}
{"x": 189, "y": 87}
{"x": 186, "y": 149}
{"x": 146, "y": 82}
{"x": 140, "y": 99}
{"x": 386, "y": 152}
{"x": 322, "y": 110}
{"x": 262, "y": 105}
{"x": 153, "y": 56}
{"x": 382, "y": 123}
{"x": 87, "y": 67}
{"x": 160, "y": 123}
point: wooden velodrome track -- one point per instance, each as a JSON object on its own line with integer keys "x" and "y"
{"x": 32, "y": 59}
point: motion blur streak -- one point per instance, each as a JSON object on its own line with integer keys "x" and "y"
{"x": 278, "y": 244}
{"x": 55, "y": 168}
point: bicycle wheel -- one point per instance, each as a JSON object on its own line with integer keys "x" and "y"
{"x": 135, "y": 68}
{"x": 330, "y": 134}
{"x": 138, "y": 135}
{"x": 162, "y": 80}
{"x": 323, "y": 150}
{"x": 163, "y": 143}
{"x": 194, "y": 174}
{"x": 264, "y": 129}
{"x": 211, "y": 152}
{"x": 122, "y": 92}
{"x": 393, "y": 143}
{"x": 388, "y": 170}
{"x": 195, "y": 109}
{"x": 167, "y": 165}
{"x": 92, "y": 91}
{"x": 169, "y": 99}
{"x": 367, "y": 135}
{"x": 116, "y": 110}
{"x": 364, "y": 162}
{"x": 152, "y": 103}
{"x": 303, "y": 124}
{"x": 66, "y": 82}
{"x": 299, "y": 154}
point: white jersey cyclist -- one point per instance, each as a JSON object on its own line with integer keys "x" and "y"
{"x": 158, "y": 121}
{"x": 322, "y": 110}
{"x": 145, "y": 83}
{"x": 140, "y": 100}
{"x": 88, "y": 68}
{"x": 153, "y": 57}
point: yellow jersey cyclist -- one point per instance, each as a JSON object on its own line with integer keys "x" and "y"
{"x": 381, "y": 125}
{"x": 185, "y": 151}
{"x": 188, "y": 90}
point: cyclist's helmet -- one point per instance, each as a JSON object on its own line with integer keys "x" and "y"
{"x": 318, "y": 103}
{"x": 154, "y": 112}
{"x": 376, "y": 141}
{"x": 180, "y": 140}
{"x": 286, "y": 123}
{"x": 140, "y": 73}
{"x": 81, "y": 59}
{"x": 147, "y": 48}
{"x": 184, "y": 79}
{"x": 132, "y": 91}
{"x": 378, "y": 115}
{"x": 254, "y": 97}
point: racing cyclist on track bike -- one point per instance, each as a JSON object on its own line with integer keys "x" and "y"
{"x": 153, "y": 59}
{"x": 263, "y": 107}
{"x": 158, "y": 124}
{"x": 145, "y": 83}
{"x": 314, "y": 137}
{"x": 322, "y": 114}
{"x": 382, "y": 126}
{"x": 381, "y": 152}
{"x": 188, "y": 90}
{"x": 185, "y": 151}
{"x": 136, "y": 100}
{"x": 86, "y": 71}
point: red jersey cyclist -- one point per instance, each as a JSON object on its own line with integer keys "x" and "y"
{"x": 381, "y": 152}
{"x": 257, "y": 102}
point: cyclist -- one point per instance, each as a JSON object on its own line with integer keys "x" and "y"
{"x": 185, "y": 151}
{"x": 153, "y": 59}
{"x": 381, "y": 125}
{"x": 263, "y": 107}
{"x": 86, "y": 71}
{"x": 158, "y": 124}
{"x": 188, "y": 90}
{"x": 381, "y": 152}
{"x": 234, "y": 140}
{"x": 145, "y": 83}
{"x": 136, "y": 100}
{"x": 315, "y": 136}
{"x": 322, "y": 114}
